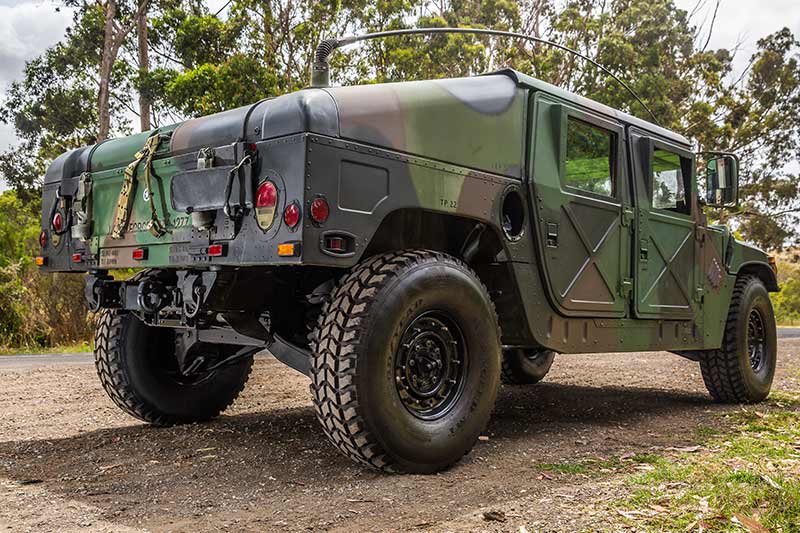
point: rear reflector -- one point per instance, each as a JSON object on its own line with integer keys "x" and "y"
{"x": 43, "y": 239}
{"x": 320, "y": 210}
{"x": 291, "y": 215}
{"x": 77, "y": 258}
{"x": 139, "y": 254}
{"x": 58, "y": 222}
{"x": 40, "y": 261}
{"x": 216, "y": 250}
{"x": 289, "y": 249}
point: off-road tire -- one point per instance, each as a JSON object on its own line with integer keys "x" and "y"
{"x": 128, "y": 357}
{"x": 728, "y": 373}
{"x": 357, "y": 346}
{"x": 525, "y": 367}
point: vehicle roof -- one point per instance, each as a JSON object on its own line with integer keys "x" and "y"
{"x": 539, "y": 85}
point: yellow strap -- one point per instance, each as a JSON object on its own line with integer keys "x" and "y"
{"x": 126, "y": 193}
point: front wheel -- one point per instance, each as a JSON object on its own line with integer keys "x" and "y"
{"x": 741, "y": 371}
{"x": 406, "y": 362}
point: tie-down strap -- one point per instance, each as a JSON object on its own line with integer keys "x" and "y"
{"x": 126, "y": 193}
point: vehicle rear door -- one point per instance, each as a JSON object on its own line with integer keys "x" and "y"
{"x": 581, "y": 195}
{"x": 665, "y": 227}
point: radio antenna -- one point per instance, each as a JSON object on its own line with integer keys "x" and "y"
{"x": 320, "y": 71}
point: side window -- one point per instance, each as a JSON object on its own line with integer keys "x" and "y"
{"x": 670, "y": 174}
{"x": 590, "y": 157}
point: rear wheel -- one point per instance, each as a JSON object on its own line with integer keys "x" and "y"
{"x": 138, "y": 369}
{"x": 406, "y": 362}
{"x": 526, "y": 366}
{"x": 741, "y": 371}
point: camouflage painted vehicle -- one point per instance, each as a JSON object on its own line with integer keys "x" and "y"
{"x": 407, "y": 246}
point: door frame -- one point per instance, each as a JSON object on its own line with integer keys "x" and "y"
{"x": 642, "y": 146}
{"x": 553, "y": 131}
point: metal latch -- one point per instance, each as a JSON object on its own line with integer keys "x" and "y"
{"x": 643, "y": 251}
{"x": 698, "y": 294}
{"x": 552, "y": 235}
{"x": 625, "y": 287}
{"x": 627, "y": 217}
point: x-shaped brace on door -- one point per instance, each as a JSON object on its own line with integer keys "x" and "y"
{"x": 592, "y": 251}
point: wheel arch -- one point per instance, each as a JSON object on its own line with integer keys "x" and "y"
{"x": 762, "y": 271}
{"x": 481, "y": 244}
{"x": 414, "y": 227}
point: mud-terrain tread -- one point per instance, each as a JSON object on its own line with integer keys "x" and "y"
{"x": 338, "y": 333}
{"x": 114, "y": 381}
{"x": 720, "y": 368}
{"x": 509, "y": 374}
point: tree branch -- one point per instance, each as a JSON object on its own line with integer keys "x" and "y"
{"x": 711, "y": 27}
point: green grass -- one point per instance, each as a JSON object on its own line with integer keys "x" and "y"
{"x": 752, "y": 471}
{"x": 71, "y": 348}
{"x": 748, "y": 469}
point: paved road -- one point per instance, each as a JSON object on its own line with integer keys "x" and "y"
{"x": 16, "y": 362}
{"x": 788, "y": 333}
{"x": 9, "y": 362}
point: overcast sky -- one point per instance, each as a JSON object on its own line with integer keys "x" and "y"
{"x": 28, "y": 27}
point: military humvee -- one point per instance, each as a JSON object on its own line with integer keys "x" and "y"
{"x": 407, "y": 246}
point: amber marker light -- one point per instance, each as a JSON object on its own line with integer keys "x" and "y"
{"x": 773, "y": 263}
{"x": 288, "y": 249}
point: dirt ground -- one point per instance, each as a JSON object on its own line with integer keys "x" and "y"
{"x": 71, "y": 461}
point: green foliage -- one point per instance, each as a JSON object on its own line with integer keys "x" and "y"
{"x": 787, "y": 302}
{"x": 211, "y": 88}
{"x": 35, "y": 310}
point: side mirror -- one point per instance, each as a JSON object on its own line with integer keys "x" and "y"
{"x": 722, "y": 180}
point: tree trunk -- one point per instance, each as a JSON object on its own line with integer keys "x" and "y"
{"x": 106, "y": 63}
{"x": 144, "y": 68}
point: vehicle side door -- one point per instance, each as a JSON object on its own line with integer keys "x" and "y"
{"x": 666, "y": 228}
{"x": 580, "y": 194}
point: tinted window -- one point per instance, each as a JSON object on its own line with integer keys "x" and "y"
{"x": 669, "y": 185}
{"x": 589, "y": 158}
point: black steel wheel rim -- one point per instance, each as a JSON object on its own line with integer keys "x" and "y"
{"x": 431, "y": 365}
{"x": 533, "y": 356}
{"x": 756, "y": 340}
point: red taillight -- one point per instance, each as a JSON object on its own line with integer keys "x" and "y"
{"x": 77, "y": 258}
{"x": 139, "y": 254}
{"x": 43, "y": 239}
{"x": 266, "y": 204}
{"x": 291, "y": 215}
{"x": 320, "y": 210}
{"x": 58, "y": 222}
{"x": 267, "y": 195}
{"x": 216, "y": 250}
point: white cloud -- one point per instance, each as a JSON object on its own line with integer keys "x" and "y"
{"x": 744, "y": 22}
{"x": 26, "y": 30}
